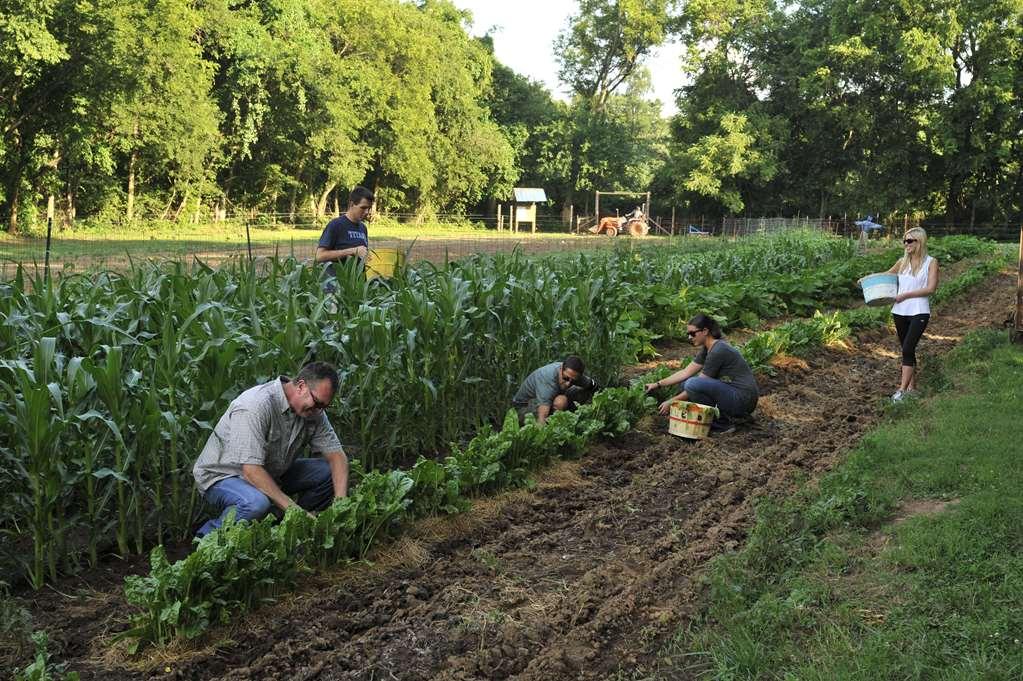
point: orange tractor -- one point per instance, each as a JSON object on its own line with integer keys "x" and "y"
{"x": 611, "y": 226}
{"x": 634, "y": 224}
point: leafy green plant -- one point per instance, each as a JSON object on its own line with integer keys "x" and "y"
{"x": 43, "y": 668}
{"x": 244, "y": 564}
{"x": 434, "y": 490}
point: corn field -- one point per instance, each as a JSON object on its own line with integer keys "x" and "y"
{"x": 112, "y": 381}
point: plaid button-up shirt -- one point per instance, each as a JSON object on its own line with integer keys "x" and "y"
{"x": 260, "y": 428}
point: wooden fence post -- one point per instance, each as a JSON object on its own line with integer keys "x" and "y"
{"x": 1017, "y": 335}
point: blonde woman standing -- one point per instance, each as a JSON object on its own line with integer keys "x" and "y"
{"x": 918, "y": 279}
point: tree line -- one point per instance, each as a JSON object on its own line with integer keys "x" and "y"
{"x": 180, "y": 109}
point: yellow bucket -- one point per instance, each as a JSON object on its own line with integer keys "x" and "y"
{"x": 383, "y": 262}
{"x": 690, "y": 420}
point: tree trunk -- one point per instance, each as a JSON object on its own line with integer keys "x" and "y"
{"x": 166, "y": 210}
{"x": 14, "y": 196}
{"x": 129, "y": 211}
{"x": 321, "y": 205}
{"x": 573, "y": 178}
{"x": 951, "y": 201}
{"x": 69, "y": 208}
{"x": 181, "y": 206}
{"x": 566, "y": 206}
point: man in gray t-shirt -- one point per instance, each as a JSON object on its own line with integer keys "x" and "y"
{"x": 250, "y": 463}
{"x": 553, "y": 387}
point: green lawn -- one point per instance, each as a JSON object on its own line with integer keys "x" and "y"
{"x": 100, "y": 245}
{"x": 115, "y": 247}
{"x": 906, "y": 563}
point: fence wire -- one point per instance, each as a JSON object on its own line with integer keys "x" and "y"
{"x": 256, "y": 236}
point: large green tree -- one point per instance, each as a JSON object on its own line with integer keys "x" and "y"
{"x": 600, "y": 53}
{"x": 851, "y": 106}
{"x": 169, "y": 106}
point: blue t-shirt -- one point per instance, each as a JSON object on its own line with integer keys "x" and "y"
{"x": 341, "y": 233}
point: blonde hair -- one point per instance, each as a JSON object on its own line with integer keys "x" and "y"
{"x": 906, "y": 264}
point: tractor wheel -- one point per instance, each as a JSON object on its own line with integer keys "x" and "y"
{"x": 637, "y": 228}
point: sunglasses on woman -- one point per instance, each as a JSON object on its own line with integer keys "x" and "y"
{"x": 909, "y": 241}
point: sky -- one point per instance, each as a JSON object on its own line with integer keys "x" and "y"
{"x": 524, "y": 33}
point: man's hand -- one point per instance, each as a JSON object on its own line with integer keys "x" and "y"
{"x": 361, "y": 252}
{"x": 665, "y": 407}
{"x": 256, "y": 475}
{"x": 651, "y": 386}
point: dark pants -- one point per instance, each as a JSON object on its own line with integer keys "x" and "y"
{"x": 910, "y": 329}
{"x": 726, "y": 397}
{"x": 308, "y": 481}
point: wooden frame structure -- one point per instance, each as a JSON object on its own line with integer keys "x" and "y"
{"x": 596, "y": 201}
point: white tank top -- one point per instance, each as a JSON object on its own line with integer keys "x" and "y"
{"x": 913, "y": 282}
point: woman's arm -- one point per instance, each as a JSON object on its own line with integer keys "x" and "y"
{"x": 678, "y": 377}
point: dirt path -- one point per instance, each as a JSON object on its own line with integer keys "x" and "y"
{"x": 579, "y": 578}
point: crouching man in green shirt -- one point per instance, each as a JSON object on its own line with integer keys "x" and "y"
{"x": 250, "y": 462}
{"x": 554, "y": 387}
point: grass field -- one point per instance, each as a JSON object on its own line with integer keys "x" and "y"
{"x": 906, "y": 563}
{"x": 114, "y": 247}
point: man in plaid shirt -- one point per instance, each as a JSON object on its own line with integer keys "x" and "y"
{"x": 251, "y": 461}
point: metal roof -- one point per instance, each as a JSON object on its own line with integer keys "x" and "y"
{"x": 529, "y": 195}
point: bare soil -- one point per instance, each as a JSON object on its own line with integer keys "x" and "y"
{"x": 581, "y": 577}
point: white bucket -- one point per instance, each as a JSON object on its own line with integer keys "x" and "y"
{"x": 880, "y": 289}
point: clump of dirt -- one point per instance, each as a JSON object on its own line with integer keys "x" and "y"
{"x": 918, "y": 507}
{"x": 575, "y": 579}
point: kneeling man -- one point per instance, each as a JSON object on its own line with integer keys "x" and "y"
{"x": 250, "y": 462}
{"x": 553, "y": 387}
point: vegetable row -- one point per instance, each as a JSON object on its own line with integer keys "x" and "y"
{"x": 112, "y": 381}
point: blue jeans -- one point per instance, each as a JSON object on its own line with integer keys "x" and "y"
{"x": 308, "y": 481}
{"x": 724, "y": 396}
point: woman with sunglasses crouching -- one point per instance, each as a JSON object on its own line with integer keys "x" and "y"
{"x": 718, "y": 376}
{"x": 918, "y": 279}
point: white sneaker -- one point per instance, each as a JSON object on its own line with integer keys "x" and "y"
{"x": 897, "y": 397}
